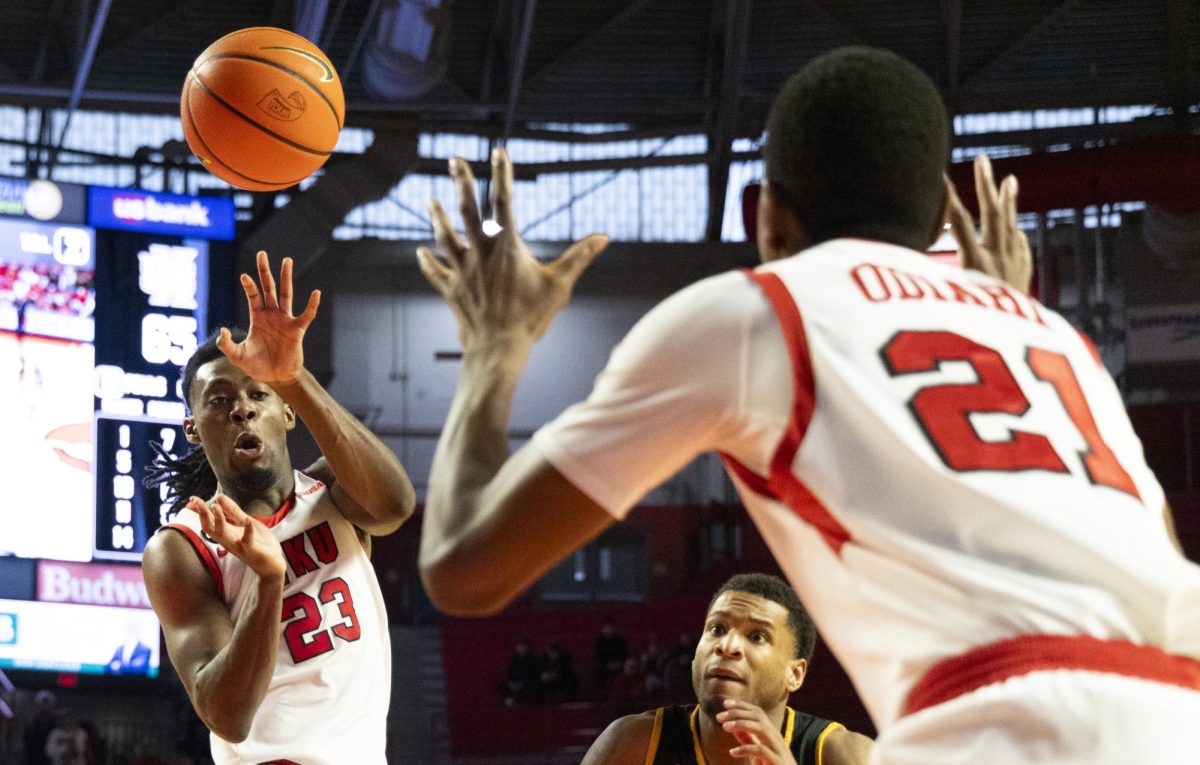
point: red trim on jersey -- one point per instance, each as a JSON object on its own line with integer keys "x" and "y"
{"x": 782, "y": 484}
{"x": 996, "y": 662}
{"x": 279, "y": 762}
{"x": 281, "y": 513}
{"x": 205, "y": 554}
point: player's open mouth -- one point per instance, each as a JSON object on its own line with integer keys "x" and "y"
{"x": 248, "y": 446}
{"x": 723, "y": 674}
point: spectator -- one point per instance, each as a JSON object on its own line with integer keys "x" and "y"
{"x": 559, "y": 681}
{"x": 522, "y": 676}
{"x": 676, "y": 668}
{"x": 651, "y": 667}
{"x": 55, "y": 737}
{"x": 609, "y": 653}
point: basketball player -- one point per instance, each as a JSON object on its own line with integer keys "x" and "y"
{"x": 942, "y": 467}
{"x": 755, "y": 650}
{"x": 258, "y": 539}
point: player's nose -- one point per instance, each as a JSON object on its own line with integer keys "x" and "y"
{"x": 729, "y": 644}
{"x": 244, "y": 410}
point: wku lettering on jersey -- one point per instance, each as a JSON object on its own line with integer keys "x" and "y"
{"x": 881, "y": 284}
{"x": 309, "y": 550}
{"x": 305, "y": 552}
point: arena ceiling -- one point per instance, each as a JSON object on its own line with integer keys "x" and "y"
{"x": 654, "y": 66}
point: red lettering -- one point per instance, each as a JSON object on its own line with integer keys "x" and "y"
{"x": 1004, "y": 299}
{"x": 298, "y": 558}
{"x": 909, "y": 289}
{"x": 324, "y": 545}
{"x": 963, "y": 296}
{"x": 873, "y": 287}
{"x": 928, "y": 283}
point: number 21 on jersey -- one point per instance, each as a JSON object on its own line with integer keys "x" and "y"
{"x": 944, "y": 410}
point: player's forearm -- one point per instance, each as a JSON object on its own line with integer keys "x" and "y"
{"x": 472, "y": 449}
{"x": 364, "y": 466}
{"x": 229, "y": 689}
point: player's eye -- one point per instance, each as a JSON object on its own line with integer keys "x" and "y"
{"x": 259, "y": 395}
{"x": 219, "y": 400}
{"x": 716, "y": 629}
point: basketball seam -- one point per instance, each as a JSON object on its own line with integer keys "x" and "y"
{"x": 286, "y": 70}
{"x": 219, "y": 161}
{"x": 234, "y": 110}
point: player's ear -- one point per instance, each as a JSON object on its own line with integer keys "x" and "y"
{"x": 289, "y": 415}
{"x": 796, "y": 670}
{"x": 779, "y": 233}
{"x": 189, "y": 430}
{"x": 943, "y": 220}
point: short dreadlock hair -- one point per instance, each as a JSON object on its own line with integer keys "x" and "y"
{"x": 191, "y": 474}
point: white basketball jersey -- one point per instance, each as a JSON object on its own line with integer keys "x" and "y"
{"x": 328, "y": 699}
{"x": 959, "y": 470}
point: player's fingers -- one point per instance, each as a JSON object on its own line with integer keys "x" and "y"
{"x": 229, "y": 510}
{"x": 502, "y": 183}
{"x": 253, "y": 296}
{"x": 578, "y": 257}
{"x": 310, "y": 310}
{"x": 989, "y": 199}
{"x": 226, "y": 345}
{"x": 200, "y": 508}
{"x": 285, "y": 286}
{"x": 436, "y": 273}
{"x": 749, "y": 750}
{"x": 443, "y": 232}
{"x": 468, "y": 207}
{"x": 962, "y": 227}
{"x": 270, "y": 299}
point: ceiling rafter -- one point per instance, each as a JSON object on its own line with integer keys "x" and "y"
{"x": 580, "y": 45}
{"x": 1047, "y": 22}
{"x": 732, "y": 17}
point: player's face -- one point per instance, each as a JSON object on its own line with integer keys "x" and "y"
{"x": 746, "y": 652}
{"x": 242, "y": 425}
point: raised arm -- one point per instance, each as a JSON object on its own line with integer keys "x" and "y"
{"x": 492, "y": 524}
{"x": 370, "y": 486}
{"x": 1002, "y": 249}
{"x": 225, "y": 667}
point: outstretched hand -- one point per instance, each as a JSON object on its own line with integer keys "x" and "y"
{"x": 243, "y": 537}
{"x": 1002, "y": 251}
{"x": 493, "y": 283}
{"x": 272, "y": 352}
{"x": 758, "y": 738}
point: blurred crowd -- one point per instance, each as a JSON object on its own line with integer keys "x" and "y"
{"x": 656, "y": 673}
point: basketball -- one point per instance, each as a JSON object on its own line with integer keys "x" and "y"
{"x": 262, "y": 108}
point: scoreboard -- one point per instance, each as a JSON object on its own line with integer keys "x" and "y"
{"x": 155, "y": 304}
{"x": 104, "y": 294}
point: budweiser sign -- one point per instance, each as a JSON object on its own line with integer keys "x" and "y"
{"x": 91, "y": 584}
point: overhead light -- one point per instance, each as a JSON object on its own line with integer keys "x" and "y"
{"x": 491, "y": 227}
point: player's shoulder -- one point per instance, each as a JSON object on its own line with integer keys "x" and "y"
{"x": 176, "y": 574}
{"x": 625, "y": 740}
{"x": 715, "y": 304}
{"x": 839, "y": 746}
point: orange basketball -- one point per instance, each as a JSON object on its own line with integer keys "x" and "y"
{"x": 262, "y": 108}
